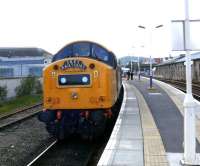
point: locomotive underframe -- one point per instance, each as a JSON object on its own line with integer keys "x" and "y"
{"x": 89, "y": 124}
{"x": 72, "y": 122}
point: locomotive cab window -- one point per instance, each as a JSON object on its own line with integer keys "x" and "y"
{"x": 87, "y": 49}
{"x": 101, "y": 54}
{"x": 64, "y": 53}
{"x": 81, "y": 49}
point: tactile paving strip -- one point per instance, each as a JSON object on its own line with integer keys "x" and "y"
{"x": 154, "y": 152}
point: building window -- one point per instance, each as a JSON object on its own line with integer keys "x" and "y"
{"x": 35, "y": 71}
{"x": 6, "y": 72}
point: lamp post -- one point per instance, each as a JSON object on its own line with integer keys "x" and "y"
{"x": 139, "y": 64}
{"x": 150, "y": 59}
{"x": 189, "y": 157}
{"x": 138, "y": 67}
{"x": 131, "y": 66}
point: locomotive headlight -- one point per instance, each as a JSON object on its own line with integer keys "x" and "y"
{"x": 63, "y": 80}
{"x": 74, "y": 80}
{"x": 84, "y": 79}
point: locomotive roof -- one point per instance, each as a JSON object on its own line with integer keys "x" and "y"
{"x": 86, "y": 49}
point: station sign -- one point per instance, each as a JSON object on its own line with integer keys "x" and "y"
{"x": 178, "y": 35}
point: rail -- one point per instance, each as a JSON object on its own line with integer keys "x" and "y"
{"x": 182, "y": 86}
{"x": 19, "y": 115}
{"x": 62, "y": 152}
{"x": 42, "y": 153}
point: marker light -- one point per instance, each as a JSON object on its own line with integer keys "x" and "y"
{"x": 63, "y": 80}
{"x": 92, "y": 66}
{"x": 55, "y": 67}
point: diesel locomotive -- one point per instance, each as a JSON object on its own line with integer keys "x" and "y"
{"x": 80, "y": 88}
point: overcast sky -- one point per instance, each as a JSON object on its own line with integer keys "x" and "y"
{"x": 51, "y": 24}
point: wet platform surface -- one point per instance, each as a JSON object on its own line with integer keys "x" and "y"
{"x": 125, "y": 145}
{"x": 166, "y": 115}
{"x": 149, "y": 129}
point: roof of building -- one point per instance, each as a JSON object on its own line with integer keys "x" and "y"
{"x": 180, "y": 59}
{"x": 23, "y": 62}
{"x": 22, "y": 52}
{"x": 194, "y": 56}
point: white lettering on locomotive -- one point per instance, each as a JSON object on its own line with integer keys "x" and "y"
{"x": 73, "y": 64}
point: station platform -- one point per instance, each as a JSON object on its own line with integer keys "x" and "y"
{"x": 149, "y": 128}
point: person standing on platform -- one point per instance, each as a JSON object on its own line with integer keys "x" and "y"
{"x": 128, "y": 75}
{"x": 131, "y": 75}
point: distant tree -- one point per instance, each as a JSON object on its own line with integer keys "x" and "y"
{"x": 38, "y": 87}
{"x": 3, "y": 94}
{"x": 29, "y": 85}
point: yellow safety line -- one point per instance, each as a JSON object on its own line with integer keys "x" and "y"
{"x": 154, "y": 152}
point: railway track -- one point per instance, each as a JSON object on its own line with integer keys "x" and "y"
{"x": 19, "y": 115}
{"x": 42, "y": 153}
{"x": 182, "y": 86}
{"x": 70, "y": 153}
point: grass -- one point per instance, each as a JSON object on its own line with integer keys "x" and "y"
{"x": 19, "y": 102}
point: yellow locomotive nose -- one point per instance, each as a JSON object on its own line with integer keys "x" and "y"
{"x": 83, "y": 81}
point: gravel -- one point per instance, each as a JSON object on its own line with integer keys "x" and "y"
{"x": 20, "y": 143}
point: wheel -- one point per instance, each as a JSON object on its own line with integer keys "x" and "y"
{"x": 94, "y": 127}
{"x": 99, "y": 124}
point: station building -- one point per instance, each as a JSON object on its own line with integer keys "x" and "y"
{"x": 21, "y": 62}
{"x": 175, "y": 69}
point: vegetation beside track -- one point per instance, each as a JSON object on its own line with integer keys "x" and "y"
{"x": 19, "y": 102}
{"x": 28, "y": 93}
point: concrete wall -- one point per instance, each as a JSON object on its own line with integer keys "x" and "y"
{"x": 176, "y": 71}
{"x": 11, "y": 84}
